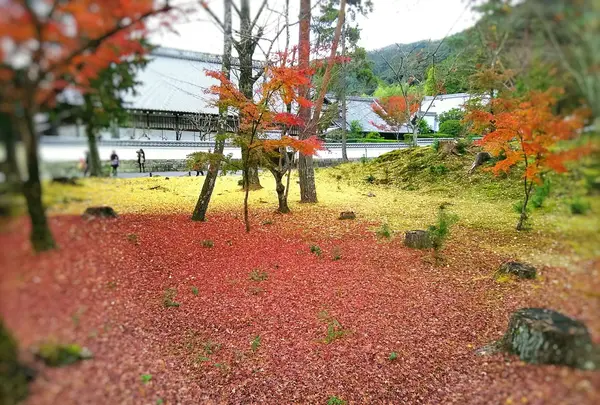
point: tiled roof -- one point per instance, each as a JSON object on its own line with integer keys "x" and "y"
{"x": 175, "y": 80}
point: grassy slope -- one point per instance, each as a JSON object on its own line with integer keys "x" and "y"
{"x": 414, "y": 182}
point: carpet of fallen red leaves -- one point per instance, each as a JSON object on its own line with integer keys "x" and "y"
{"x": 105, "y": 288}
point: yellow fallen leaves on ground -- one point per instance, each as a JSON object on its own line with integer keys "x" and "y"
{"x": 489, "y": 223}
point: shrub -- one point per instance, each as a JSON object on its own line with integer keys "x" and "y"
{"x": 356, "y": 129}
{"x": 463, "y": 144}
{"x": 424, "y": 127}
{"x": 540, "y": 194}
{"x": 451, "y": 127}
{"x": 439, "y": 232}
{"x": 384, "y": 231}
{"x": 455, "y": 114}
{"x": 579, "y": 206}
{"x": 438, "y": 170}
{"x": 370, "y": 179}
{"x": 316, "y": 250}
{"x": 56, "y": 355}
{"x": 518, "y": 207}
{"x": 373, "y": 136}
{"x": 436, "y": 145}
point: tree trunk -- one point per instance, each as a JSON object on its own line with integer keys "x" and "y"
{"x": 41, "y": 237}
{"x": 280, "y": 188}
{"x": 528, "y": 185}
{"x": 245, "y": 48}
{"x": 95, "y": 164}
{"x": 415, "y": 134}
{"x": 201, "y": 208}
{"x": 8, "y": 138}
{"x": 306, "y": 173}
{"x": 253, "y": 180}
{"x": 343, "y": 96}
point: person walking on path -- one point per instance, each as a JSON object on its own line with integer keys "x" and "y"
{"x": 114, "y": 163}
{"x": 141, "y": 160}
{"x": 85, "y": 164}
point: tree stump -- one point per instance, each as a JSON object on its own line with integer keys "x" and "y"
{"x": 447, "y": 147}
{"x": 480, "y": 159}
{"x": 417, "y": 239}
{"x": 99, "y": 212}
{"x": 70, "y": 181}
{"x": 544, "y": 336}
{"x": 521, "y": 270}
{"x": 347, "y": 215}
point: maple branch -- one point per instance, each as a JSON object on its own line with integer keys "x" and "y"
{"x": 211, "y": 13}
{"x": 96, "y": 42}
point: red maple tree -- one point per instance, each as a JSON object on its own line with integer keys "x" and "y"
{"x": 396, "y": 111}
{"x": 527, "y": 133}
{"x": 280, "y": 89}
{"x": 49, "y": 45}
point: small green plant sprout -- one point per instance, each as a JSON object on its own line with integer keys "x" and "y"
{"x": 336, "y": 253}
{"x": 146, "y": 378}
{"x": 255, "y": 344}
{"x": 334, "y": 331}
{"x": 257, "y": 275}
{"x": 393, "y": 356}
{"x": 133, "y": 238}
{"x": 201, "y": 358}
{"x": 316, "y": 250}
{"x": 267, "y": 222}
{"x": 384, "y": 231}
{"x": 335, "y": 401}
{"x": 439, "y": 233}
{"x": 210, "y": 347}
{"x": 168, "y": 296}
{"x": 579, "y": 206}
{"x": 207, "y": 243}
{"x": 194, "y": 290}
{"x": 334, "y": 328}
{"x": 370, "y": 179}
{"x": 160, "y": 401}
{"x": 111, "y": 285}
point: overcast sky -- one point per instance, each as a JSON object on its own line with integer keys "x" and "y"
{"x": 392, "y": 21}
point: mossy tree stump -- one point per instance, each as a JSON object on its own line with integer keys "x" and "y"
{"x": 100, "y": 212}
{"x": 544, "y": 336}
{"x": 417, "y": 239}
{"x": 347, "y": 215}
{"x": 521, "y": 270}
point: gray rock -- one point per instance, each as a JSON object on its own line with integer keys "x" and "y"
{"x": 544, "y": 336}
{"x": 521, "y": 270}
